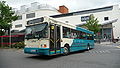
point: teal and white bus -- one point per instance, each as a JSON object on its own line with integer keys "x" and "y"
{"x": 47, "y": 36}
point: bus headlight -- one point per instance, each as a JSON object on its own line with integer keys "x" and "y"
{"x": 44, "y": 45}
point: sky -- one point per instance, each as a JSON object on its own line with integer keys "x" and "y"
{"x": 73, "y": 5}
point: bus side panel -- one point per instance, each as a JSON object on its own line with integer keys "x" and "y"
{"x": 78, "y": 44}
{"x": 92, "y": 43}
{"x": 66, "y": 41}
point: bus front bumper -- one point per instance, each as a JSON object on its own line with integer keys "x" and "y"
{"x": 40, "y": 51}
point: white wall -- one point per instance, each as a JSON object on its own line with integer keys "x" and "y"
{"x": 112, "y": 14}
{"x": 75, "y": 20}
{"x": 38, "y": 14}
{"x": 116, "y": 26}
{"x": 23, "y": 22}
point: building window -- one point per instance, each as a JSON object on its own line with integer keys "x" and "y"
{"x": 85, "y": 18}
{"x": 31, "y": 15}
{"x": 106, "y": 18}
{"x": 19, "y": 25}
{"x": 19, "y": 17}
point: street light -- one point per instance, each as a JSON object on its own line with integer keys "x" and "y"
{"x": 9, "y": 35}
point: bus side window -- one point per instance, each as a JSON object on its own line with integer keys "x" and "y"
{"x": 79, "y": 35}
{"x": 90, "y": 37}
{"x": 73, "y": 34}
{"x": 66, "y": 32}
{"x": 84, "y": 36}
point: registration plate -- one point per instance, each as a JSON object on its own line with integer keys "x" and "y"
{"x": 33, "y": 50}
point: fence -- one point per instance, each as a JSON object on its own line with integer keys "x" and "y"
{"x": 8, "y": 40}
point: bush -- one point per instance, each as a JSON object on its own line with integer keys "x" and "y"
{"x": 5, "y": 46}
{"x": 18, "y": 45}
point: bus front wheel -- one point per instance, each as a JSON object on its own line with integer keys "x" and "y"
{"x": 66, "y": 50}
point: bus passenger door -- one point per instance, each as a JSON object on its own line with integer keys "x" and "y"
{"x": 55, "y": 39}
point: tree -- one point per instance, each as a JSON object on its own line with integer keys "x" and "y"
{"x": 92, "y": 24}
{"x": 7, "y": 15}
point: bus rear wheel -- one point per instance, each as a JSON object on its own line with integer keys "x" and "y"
{"x": 88, "y": 48}
{"x": 66, "y": 50}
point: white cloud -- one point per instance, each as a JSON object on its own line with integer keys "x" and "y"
{"x": 73, "y": 5}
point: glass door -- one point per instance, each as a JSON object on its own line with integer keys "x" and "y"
{"x": 55, "y": 37}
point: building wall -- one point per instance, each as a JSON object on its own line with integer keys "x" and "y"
{"x": 35, "y": 8}
{"x": 112, "y": 14}
{"x": 116, "y": 26}
{"x": 76, "y": 18}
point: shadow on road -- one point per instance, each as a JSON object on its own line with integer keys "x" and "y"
{"x": 78, "y": 52}
{"x": 44, "y": 57}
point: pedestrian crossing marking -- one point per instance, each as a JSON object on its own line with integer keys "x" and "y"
{"x": 100, "y": 51}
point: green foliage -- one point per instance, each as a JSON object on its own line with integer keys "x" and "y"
{"x": 92, "y": 24}
{"x": 1, "y": 33}
{"x": 7, "y": 15}
{"x": 5, "y": 46}
{"x": 18, "y": 45}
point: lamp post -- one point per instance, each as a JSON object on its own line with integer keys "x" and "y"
{"x": 9, "y": 35}
{"x": 102, "y": 32}
{"x": 1, "y": 41}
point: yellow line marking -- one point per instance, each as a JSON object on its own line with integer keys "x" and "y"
{"x": 57, "y": 40}
{"x": 51, "y": 40}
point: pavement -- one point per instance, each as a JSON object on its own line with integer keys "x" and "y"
{"x": 117, "y": 44}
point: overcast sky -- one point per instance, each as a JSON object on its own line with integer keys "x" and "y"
{"x": 73, "y": 5}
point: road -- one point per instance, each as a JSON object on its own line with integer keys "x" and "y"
{"x": 102, "y": 56}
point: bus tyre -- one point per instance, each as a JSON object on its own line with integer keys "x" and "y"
{"x": 66, "y": 50}
{"x": 88, "y": 48}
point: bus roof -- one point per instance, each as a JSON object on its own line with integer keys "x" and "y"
{"x": 60, "y": 23}
{"x": 84, "y": 30}
{"x": 77, "y": 28}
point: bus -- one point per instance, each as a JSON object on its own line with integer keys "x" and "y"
{"x": 48, "y": 36}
